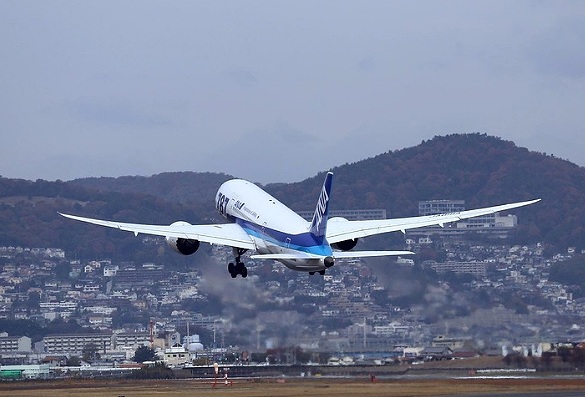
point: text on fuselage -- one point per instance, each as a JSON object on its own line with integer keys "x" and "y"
{"x": 222, "y": 204}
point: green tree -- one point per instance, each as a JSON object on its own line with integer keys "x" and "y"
{"x": 34, "y": 299}
{"x": 62, "y": 271}
{"x": 74, "y": 361}
{"x": 90, "y": 353}
{"x": 144, "y": 353}
{"x": 61, "y": 326}
{"x": 157, "y": 371}
{"x": 570, "y": 272}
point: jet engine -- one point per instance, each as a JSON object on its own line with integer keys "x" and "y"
{"x": 180, "y": 245}
{"x": 345, "y": 245}
{"x": 328, "y": 261}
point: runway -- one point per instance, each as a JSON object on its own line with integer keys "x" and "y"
{"x": 297, "y": 387}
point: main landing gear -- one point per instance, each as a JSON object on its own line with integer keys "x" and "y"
{"x": 238, "y": 267}
{"x": 321, "y": 272}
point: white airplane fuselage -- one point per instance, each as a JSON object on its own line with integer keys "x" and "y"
{"x": 274, "y": 227}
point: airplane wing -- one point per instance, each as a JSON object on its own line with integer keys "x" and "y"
{"x": 341, "y": 230}
{"x": 229, "y": 234}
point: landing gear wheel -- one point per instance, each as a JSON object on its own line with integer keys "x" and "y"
{"x": 322, "y": 272}
{"x": 312, "y": 273}
{"x": 238, "y": 267}
{"x": 241, "y": 269}
{"x": 233, "y": 270}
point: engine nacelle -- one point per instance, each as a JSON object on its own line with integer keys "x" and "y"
{"x": 183, "y": 246}
{"x": 328, "y": 261}
{"x": 345, "y": 245}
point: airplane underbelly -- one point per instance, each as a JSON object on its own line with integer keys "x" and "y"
{"x": 302, "y": 265}
{"x": 261, "y": 246}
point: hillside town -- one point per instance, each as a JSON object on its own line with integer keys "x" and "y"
{"x": 466, "y": 292}
{"x": 496, "y": 298}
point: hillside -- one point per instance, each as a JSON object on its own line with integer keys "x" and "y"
{"x": 29, "y": 218}
{"x": 481, "y": 169}
{"x": 181, "y": 187}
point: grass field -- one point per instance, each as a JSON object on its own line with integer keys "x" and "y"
{"x": 289, "y": 388}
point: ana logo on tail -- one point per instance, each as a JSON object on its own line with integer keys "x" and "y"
{"x": 319, "y": 222}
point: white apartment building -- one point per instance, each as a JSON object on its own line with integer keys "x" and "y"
{"x": 74, "y": 343}
{"x": 13, "y": 344}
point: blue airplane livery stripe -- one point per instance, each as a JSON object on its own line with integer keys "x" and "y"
{"x": 304, "y": 242}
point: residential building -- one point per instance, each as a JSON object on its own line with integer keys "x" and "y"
{"x": 476, "y": 268}
{"x": 433, "y": 207}
{"x": 132, "y": 340}
{"x": 176, "y": 355}
{"x": 74, "y": 343}
{"x": 352, "y": 215}
{"x": 13, "y": 344}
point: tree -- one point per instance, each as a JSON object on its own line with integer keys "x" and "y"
{"x": 547, "y": 359}
{"x": 90, "y": 353}
{"x": 61, "y": 326}
{"x": 144, "y": 353}
{"x": 62, "y": 271}
{"x": 74, "y": 361}
{"x": 34, "y": 299}
{"x": 579, "y": 357}
{"x": 157, "y": 371}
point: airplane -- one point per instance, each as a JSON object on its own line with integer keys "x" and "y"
{"x": 259, "y": 222}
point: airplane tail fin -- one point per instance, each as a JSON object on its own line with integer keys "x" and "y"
{"x": 319, "y": 222}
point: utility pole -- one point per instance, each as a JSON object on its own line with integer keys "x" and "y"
{"x": 365, "y": 342}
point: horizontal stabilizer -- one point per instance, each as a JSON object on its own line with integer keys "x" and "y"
{"x": 367, "y": 254}
{"x": 336, "y": 255}
{"x": 277, "y": 257}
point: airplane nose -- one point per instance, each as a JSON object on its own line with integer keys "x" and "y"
{"x": 328, "y": 261}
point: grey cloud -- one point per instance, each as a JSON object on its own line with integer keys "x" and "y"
{"x": 274, "y": 150}
{"x": 366, "y": 65}
{"x": 278, "y": 91}
{"x": 560, "y": 49}
{"x": 113, "y": 112}
{"x": 242, "y": 77}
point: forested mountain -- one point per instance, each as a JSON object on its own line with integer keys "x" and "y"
{"x": 182, "y": 187}
{"x": 29, "y": 218}
{"x": 481, "y": 169}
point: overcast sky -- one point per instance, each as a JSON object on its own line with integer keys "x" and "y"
{"x": 276, "y": 91}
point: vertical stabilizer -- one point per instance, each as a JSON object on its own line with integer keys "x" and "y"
{"x": 319, "y": 222}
